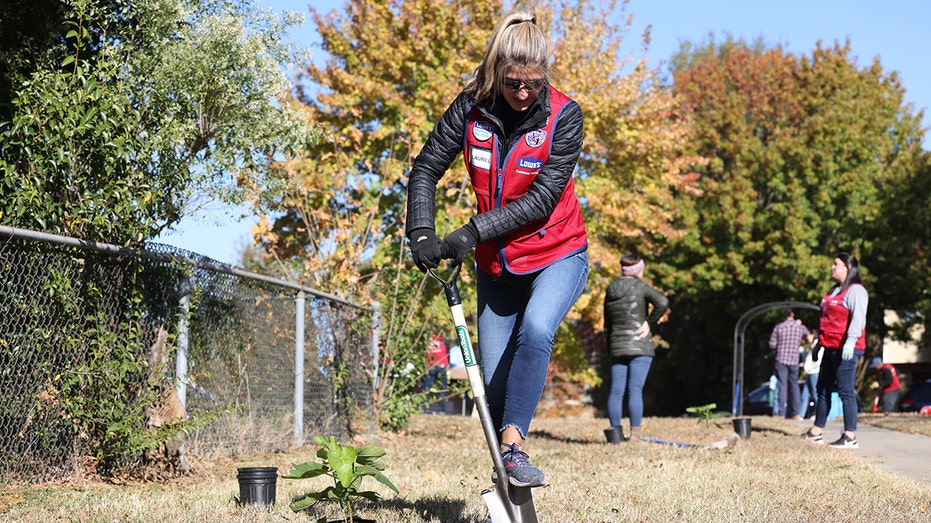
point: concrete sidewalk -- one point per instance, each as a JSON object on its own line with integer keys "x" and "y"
{"x": 899, "y": 453}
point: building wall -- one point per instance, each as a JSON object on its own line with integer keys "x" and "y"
{"x": 912, "y": 363}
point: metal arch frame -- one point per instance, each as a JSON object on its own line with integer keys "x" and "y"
{"x": 739, "y": 330}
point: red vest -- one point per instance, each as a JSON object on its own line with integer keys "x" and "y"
{"x": 497, "y": 183}
{"x": 895, "y": 379}
{"x": 835, "y": 318}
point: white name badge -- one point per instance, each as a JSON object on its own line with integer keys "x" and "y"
{"x": 480, "y": 158}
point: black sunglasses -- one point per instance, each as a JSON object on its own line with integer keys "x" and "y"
{"x": 530, "y": 85}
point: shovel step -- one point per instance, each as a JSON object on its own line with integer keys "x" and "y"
{"x": 518, "y": 501}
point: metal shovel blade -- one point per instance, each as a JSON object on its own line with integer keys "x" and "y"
{"x": 516, "y": 500}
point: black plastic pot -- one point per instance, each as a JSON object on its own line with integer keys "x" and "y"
{"x": 257, "y": 485}
{"x": 742, "y": 427}
{"x": 614, "y": 434}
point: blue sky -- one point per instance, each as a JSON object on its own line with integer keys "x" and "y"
{"x": 896, "y": 31}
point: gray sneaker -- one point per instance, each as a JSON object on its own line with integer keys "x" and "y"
{"x": 520, "y": 472}
{"x": 845, "y": 443}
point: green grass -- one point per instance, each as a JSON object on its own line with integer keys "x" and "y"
{"x": 441, "y": 464}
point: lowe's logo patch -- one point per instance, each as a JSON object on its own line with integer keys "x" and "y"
{"x": 530, "y": 163}
{"x": 482, "y": 131}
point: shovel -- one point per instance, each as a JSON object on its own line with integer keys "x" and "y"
{"x": 506, "y": 503}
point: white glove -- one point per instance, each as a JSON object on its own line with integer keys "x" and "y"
{"x": 847, "y": 351}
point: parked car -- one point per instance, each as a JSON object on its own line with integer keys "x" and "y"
{"x": 759, "y": 401}
{"x": 916, "y": 397}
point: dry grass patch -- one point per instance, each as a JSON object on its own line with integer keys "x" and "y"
{"x": 441, "y": 464}
{"x": 909, "y": 423}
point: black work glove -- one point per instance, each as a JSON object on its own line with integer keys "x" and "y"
{"x": 460, "y": 242}
{"x": 426, "y": 248}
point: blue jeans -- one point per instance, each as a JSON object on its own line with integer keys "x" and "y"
{"x": 809, "y": 392}
{"x": 787, "y": 384}
{"x": 628, "y": 374}
{"x": 778, "y": 401}
{"x": 518, "y": 317}
{"x": 889, "y": 399}
{"x": 842, "y": 373}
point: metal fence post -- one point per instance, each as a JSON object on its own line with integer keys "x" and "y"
{"x": 299, "y": 369}
{"x": 181, "y": 357}
{"x": 376, "y": 341}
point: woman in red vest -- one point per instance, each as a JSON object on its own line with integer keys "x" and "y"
{"x": 520, "y": 138}
{"x": 843, "y": 337}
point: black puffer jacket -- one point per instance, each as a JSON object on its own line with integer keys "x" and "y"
{"x": 625, "y": 309}
{"x": 445, "y": 144}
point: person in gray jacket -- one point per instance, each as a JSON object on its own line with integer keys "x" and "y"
{"x": 631, "y": 309}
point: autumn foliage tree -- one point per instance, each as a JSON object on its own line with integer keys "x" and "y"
{"x": 636, "y": 175}
{"x": 808, "y": 156}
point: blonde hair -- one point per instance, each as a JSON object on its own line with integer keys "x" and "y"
{"x": 516, "y": 41}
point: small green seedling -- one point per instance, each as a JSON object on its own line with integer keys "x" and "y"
{"x": 705, "y": 412}
{"x": 347, "y": 466}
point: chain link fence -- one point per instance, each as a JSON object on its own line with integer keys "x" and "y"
{"x": 222, "y": 339}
